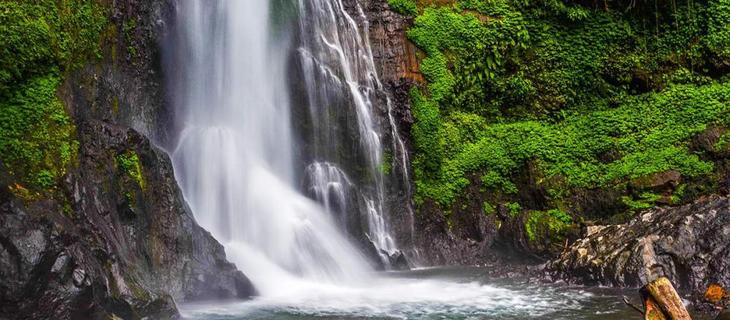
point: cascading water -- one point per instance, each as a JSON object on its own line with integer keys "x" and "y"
{"x": 340, "y": 77}
{"x": 234, "y": 155}
{"x": 234, "y": 161}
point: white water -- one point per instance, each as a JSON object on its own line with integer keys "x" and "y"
{"x": 426, "y": 294}
{"x": 399, "y": 299}
{"x": 338, "y": 65}
{"x": 234, "y": 157}
{"x": 234, "y": 162}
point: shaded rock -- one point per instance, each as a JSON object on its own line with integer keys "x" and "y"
{"x": 82, "y": 255}
{"x": 724, "y": 315}
{"x": 660, "y": 180}
{"x": 398, "y": 261}
{"x": 126, "y": 86}
{"x": 464, "y": 240}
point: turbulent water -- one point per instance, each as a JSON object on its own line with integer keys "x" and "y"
{"x": 456, "y": 293}
{"x": 235, "y": 162}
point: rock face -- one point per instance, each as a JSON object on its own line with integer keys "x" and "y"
{"x": 690, "y": 245}
{"x": 127, "y": 85}
{"x": 117, "y": 244}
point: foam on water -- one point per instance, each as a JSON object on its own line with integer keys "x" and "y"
{"x": 397, "y": 298}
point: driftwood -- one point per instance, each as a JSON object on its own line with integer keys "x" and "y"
{"x": 661, "y": 302}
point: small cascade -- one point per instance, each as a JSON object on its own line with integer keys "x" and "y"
{"x": 330, "y": 187}
{"x": 343, "y": 92}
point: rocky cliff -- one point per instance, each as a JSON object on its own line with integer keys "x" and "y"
{"x": 124, "y": 243}
{"x": 523, "y": 127}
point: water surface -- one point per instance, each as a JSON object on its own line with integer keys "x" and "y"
{"x": 439, "y": 293}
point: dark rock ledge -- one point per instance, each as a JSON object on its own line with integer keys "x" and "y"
{"x": 116, "y": 245}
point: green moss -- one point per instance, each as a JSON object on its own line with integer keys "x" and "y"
{"x": 457, "y": 36}
{"x": 40, "y": 35}
{"x": 131, "y": 199}
{"x": 678, "y": 194}
{"x": 718, "y": 38}
{"x": 115, "y": 105}
{"x": 129, "y": 28}
{"x": 404, "y": 7}
{"x": 513, "y": 208}
{"x": 645, "y": 200}
{"x": 386, "y": 164}
{"x": 549, "y": 225}
{"x": 723, "y": 144}
{"x": 655, "y": 142}
{"x": 488, "y": 208}
{"x": 130, "y": 165}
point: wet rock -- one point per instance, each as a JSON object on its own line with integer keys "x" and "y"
{"x": 82, "y": 257}
{"x": 690, "y": 245}
{"x": 79, "y": 277}
{"x": 464, "y": 240}
{"x": 396, "y": 57}
{"x": 398, "y": 261}
{"x": 126, "y": 86}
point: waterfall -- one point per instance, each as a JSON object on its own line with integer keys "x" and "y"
{"x": 234, "y": 158}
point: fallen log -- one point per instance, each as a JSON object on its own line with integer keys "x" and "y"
{"x": 662, "y": 302}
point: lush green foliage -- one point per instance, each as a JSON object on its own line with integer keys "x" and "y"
{"x": 36, "y": 134}
{"x": 591, "y": 97}
{"x": 40, "y": 40}
{"x": 655, "y": 141}
{"x": 405, "y": 7}
{"x": 37, "y": 35}
{"x": 718, "y": 34}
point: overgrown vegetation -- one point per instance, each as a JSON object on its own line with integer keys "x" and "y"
{"x": 405, "y": 7}
{"x": 36, "y": 134}
{"x": 40, "y": 41}
{"x": 589, "y": 96}
{"x": 129, "y": 163}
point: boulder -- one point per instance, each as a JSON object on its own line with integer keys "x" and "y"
{"x": 690, "y": 245}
